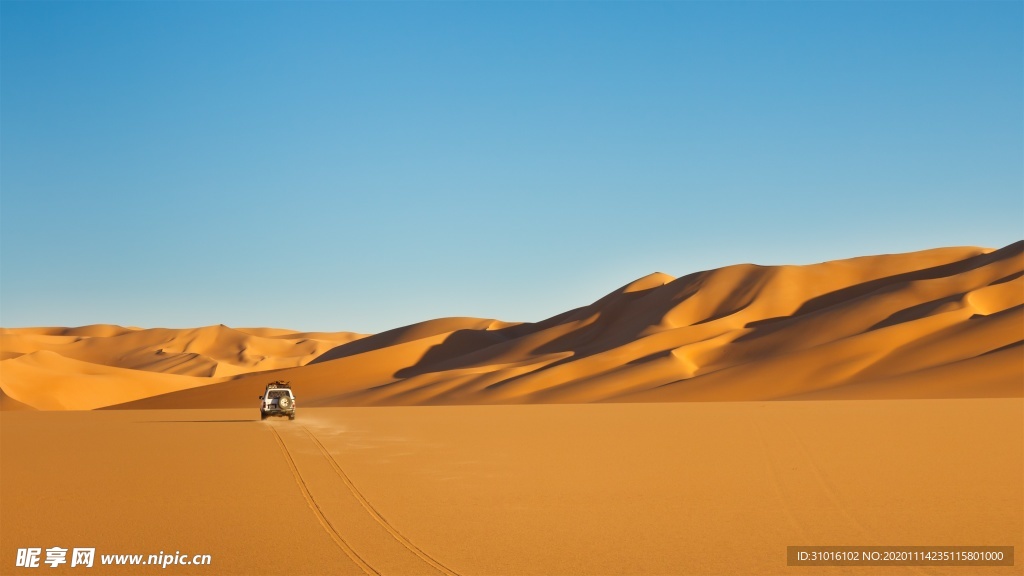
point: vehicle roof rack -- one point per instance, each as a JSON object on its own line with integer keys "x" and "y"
{"x": 279, "y": 384}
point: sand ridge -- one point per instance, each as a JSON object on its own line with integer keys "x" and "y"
{"x": 91, "y": 366}
{"x": 941, "y": 323}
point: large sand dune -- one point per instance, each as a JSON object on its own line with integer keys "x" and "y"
{"x": 943, "y": 323}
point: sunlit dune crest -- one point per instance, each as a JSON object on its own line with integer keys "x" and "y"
{"x": 942, "y": 323}
{"x": 99, "y": 365}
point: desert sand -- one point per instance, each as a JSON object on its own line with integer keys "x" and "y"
{"x": 943, "y": 323}
{"x": 671, "y": 488}
{"x": 94, "y": 366}
{"x": 693, "y": 425}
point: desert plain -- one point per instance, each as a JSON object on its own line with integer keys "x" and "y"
{"x": 693, "y": 425}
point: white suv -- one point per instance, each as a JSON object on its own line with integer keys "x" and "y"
{"x": 278, "y": 400}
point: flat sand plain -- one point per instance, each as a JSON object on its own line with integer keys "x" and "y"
{"x": 672, "y": 488}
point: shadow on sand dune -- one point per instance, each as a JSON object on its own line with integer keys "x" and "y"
{"x": 769, "y": 326}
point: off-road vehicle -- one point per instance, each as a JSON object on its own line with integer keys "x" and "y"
{"x": 278, "y": 400}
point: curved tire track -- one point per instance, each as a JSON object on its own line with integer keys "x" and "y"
{"x": 375, "y": 514}
{"x": 324, "y": 522}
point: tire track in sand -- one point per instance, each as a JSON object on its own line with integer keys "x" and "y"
{"x": 826, "y": 485}
{"x": 830, "y": 490}
{"x": 324, "y": 522}
{"x": 394, "y": 532}
{"x": 774, "y": 478}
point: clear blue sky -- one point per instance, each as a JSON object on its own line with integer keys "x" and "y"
{"x": 360, "y": 166}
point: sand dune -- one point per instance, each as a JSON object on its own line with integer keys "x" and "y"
{"x": 92, "y": 366}
{"x": 48, "y": 381}
{"x": 940, "y": 323}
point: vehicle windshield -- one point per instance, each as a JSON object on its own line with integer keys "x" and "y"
{"x": 276, "y": 394}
